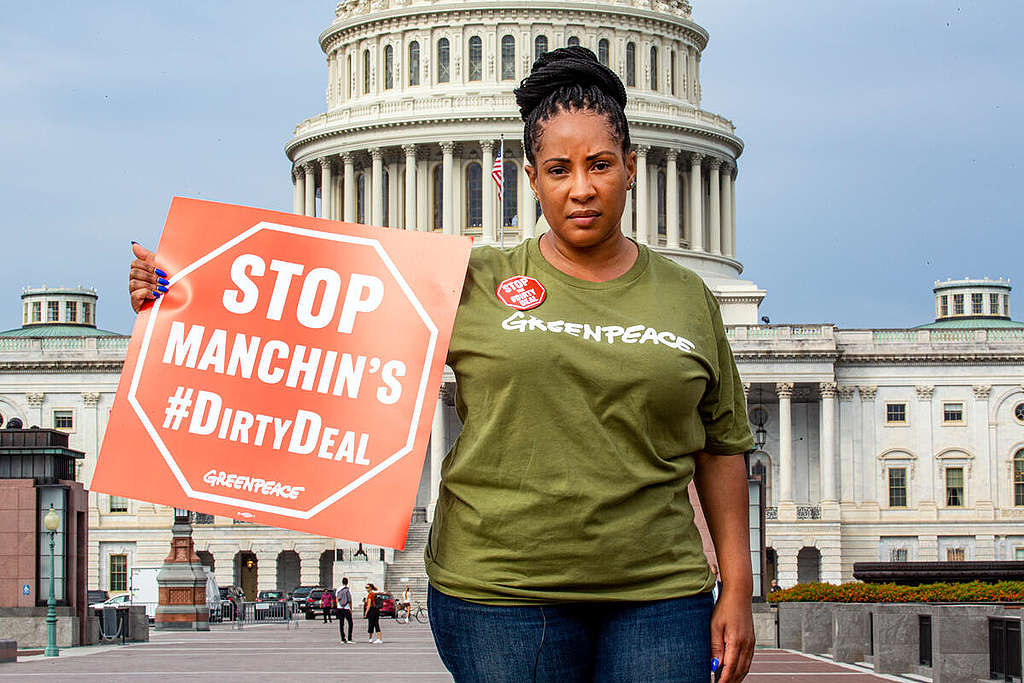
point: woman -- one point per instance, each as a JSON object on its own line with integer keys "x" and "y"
{"x": 372, "y": 613}
{"x": 563, "y": 546}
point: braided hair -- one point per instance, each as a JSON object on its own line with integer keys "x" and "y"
{"x": 567, "y": 79}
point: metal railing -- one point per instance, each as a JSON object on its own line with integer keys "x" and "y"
{"x": 265, "y": 613}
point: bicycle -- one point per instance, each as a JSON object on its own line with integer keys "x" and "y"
{"x": 417, "y": 612}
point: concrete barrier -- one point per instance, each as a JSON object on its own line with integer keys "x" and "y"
{"x": 895, "y": 636}
{"x": 816, "y": 627}
{"x": 790, "y": 619}
{"x": 960, "y": 643}
{"x": 851, "y": 632}
{"x": 765, "y": 632}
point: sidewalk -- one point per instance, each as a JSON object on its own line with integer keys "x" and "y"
{"x": 271, "y": 653}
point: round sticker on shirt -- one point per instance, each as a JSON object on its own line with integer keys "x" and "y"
{"x": 521, "y": 292}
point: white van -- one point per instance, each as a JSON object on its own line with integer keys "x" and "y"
{"x": 144, "y": 589}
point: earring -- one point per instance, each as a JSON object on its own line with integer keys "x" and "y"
{"x": 632, "y": 184}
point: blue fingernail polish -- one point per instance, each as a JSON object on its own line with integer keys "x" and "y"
{"x": 163, "y": 281}
{"x": 161, "y": 289}
{"x": 714, "y": 665}
{"x": 157, "y": 294}
{"x": 160, "y": 272}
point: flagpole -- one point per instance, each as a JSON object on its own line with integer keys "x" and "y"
{"x": 501, "y": 207}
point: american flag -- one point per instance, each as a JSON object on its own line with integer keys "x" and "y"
{"x": 498, "y": 170}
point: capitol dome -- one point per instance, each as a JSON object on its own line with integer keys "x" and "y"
{"x": 419, "y": 98}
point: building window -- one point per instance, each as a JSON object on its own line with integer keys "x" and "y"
{"x": 898, "y": 555}
{"x": 476, "y": 58}
{"x": 1018, "y": 412}
{"x": 898, "y": 487}
{"x": 993, "y": 304}
{"x": 443, "y": 57}
{"x": 87, "y": 313}
{"x": 361, "y": 198}
{"x": 602, "y": 51}
{"x": 977, "y": 303}
{"x": 366, "y": 72}
{"x": 63, "y": 419}
{"x": 958, "y": 304}
{"x": 631, "y": 64}
{"x": 389, "y": 67}
{"x": 944, "y": 306}
{"x": 540, "y": 46}
{"x": 672, "y": 71}
{"x": 1018, "y": 478}
{"x": 37, "y": 312}
{"x": 414, "y": 63}
{"x": 508, "y": 58}
{"x": 474, "y": 198}
{"x": 71, "y": 311}
{"x": 24, "y": 313}
{"x": 348, "y": 77}
{"x": 510, "y": 195}
{"x": 896, "y": 413}
{"x": 1018, "y": 554}
{"x": 952, "y": 412}
{"x": 52, "y": 311}
{"x": 438, "y": 198}
{"x": 955, "y": 555}
{"x": 573, "y": 42}
{"x": 654, "y": 69}
{"x": 1006, "y": 305}
{"x": 118, "y": 573}
{"x": 386, "y": 199}
{"x": 955, "y": 487}
{"x": 117, "y": 504}
{"x": 661, "y": 202}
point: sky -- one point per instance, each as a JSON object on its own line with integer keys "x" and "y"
{"x": 882, "y": 139}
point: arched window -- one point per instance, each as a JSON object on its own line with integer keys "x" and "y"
{"x": 510, "y": 195}
{"x": 474, "y": 196}
{"x": 602, "y": 51}
{"x": 366, "y": 71}
{"x": 361, "y": 198}
{"x": 540, "y": 46}
{"x": 573, "y": 42}
{"x": 443, "y": 54}
{"x": 661, "y": 202}
{"x": 631, "y": 64}
{"x": 1018, "y": 478}
{"x": 654, "y": 68}
{"x": 438, "y": 203}
{"x": 476, "y": 58}
{"x": 414, "y": 63}
{"x": 389, "y": 67}
{"x": 508, "y": 58}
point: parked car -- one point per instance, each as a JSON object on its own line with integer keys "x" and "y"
{"x": 230, "y": 599}
{"x": 96, "y": 596}
{"x": 272, "y": 596}
{"x": 386, "y": 605}
{"x": 122, "y": 599}
{"x": 313, "y": 602}
{"x": 300, "y": 595}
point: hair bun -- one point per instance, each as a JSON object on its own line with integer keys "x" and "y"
{"x": 564, "y": 68}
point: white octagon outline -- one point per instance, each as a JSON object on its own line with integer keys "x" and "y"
{"x": 359, "y": 481}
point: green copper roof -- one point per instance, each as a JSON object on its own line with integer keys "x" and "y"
{"x": 59, "y": 330}
{"x": 971, "y": 324}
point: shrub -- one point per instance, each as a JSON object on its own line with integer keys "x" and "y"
{"x": 975, "y": 591}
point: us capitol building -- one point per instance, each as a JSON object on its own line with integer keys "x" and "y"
{"x": 875, "y": 444}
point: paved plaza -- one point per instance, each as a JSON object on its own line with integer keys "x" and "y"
{"x": 312, "y": 651}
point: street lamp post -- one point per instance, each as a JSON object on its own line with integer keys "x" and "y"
{"x": 51, "y": 521}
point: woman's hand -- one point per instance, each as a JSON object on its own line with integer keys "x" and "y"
{"x": 146, "y": 282}
{"x": 732, "y": 636}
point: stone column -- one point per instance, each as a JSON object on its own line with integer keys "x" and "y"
{"x": 487, "y": 198}
{"x": 728, "y": 249}
{"x": 867, "y": 395}
{"x": 643, "y": 196}
{"x": 979, "y": 478}
{"x": 309, "y": 567}
{"x": 349, "y": 215}
{"x": 410, "y": 187}
{"x": 671, "y": 199}
{"x": 732, "y": 210}
{"x": 527, "y": 202}
{"x": 784, "y": 390}
{"x": 266, "y": 569}
{"x": 326, "y": 186}
{"x": 223, "y": 564}
{"x": 423, "y": 218}
{"x": 828, "y": 442}
{"x": 438, "y": 449}
{"x": 447, "y": 205}
{"x": 298, "y": 189}
{"x": 394, "y": 220}
{"x": 181, "y": 584}
{"x": 715, "y": 207}
{"x": 91, "y": 401}
{"x": 696, "y": 218}
{"x": 924, "y": 420}
{"x": 847, "y": 469}
{"x": 310, "y": 186}
{"x": 377, "y": 187}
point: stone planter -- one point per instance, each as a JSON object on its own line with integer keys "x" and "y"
{"x": 817, "y": 627}
{"x": 851, "y": 632}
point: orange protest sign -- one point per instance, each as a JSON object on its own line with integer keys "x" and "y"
{"x": 290, "y": 375}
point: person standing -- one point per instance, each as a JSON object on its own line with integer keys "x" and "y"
{"x": 344, "y": 600}
{"x": 326, "y": 603}
{"x": 372, "y": 613}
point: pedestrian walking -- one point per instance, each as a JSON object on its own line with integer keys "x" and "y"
{"x": 344, "y": 600}
{"x": 372, "y": 613}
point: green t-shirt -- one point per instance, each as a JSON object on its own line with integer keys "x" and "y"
{"x": 568, "y": 482}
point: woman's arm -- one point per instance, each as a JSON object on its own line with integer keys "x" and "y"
{"x": 721, "y": 482}
{"x": 146, "y": 282}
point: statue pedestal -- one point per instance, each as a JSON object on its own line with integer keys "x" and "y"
{"x": 182, "y": 585}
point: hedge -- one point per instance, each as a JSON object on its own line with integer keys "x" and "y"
{"x": 975, "y": 591}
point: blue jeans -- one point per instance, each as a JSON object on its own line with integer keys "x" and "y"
{"x": 663, "y": 640}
